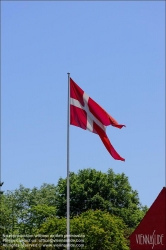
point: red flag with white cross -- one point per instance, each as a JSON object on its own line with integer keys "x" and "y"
{"x": 87, "y": 114}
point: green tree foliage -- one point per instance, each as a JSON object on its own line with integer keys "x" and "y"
{"x": 92, "y": 189}
{"x": 103, "y": 207}
{"x": 8, "y": 220}
{"x": 27, "y": 208}
{"x": 102, "y": 231}
{"x": 8, "y": 216}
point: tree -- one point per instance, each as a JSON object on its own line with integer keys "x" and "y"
{"x": 92, "y": 189}
{"x": 8, "y": 221}
{"x": 39, "y": 214}
{"x": 25, "y": 207}
{"x": 95, "y": 198}
{"x": 99, "y": 229}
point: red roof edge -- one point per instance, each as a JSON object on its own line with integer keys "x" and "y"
{"x": 164, "y": 188}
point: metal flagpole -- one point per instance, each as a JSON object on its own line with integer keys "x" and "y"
{"x": 68, "y": 182}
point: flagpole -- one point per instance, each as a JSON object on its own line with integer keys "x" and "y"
{"x": 68, "y": 183}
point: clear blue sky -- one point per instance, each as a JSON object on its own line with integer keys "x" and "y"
{"x": 115, "y": 51}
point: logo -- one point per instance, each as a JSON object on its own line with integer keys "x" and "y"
{"x": 147, "y": 239}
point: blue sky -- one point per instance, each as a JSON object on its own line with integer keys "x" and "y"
{"x": 115, "y": 51}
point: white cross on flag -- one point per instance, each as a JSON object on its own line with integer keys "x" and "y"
{"x": 87, "y": 114}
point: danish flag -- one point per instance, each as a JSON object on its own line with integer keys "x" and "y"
{"x": 87, "y": 114}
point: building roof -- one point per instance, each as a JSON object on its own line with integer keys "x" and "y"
{"x": 151, "y": 231}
